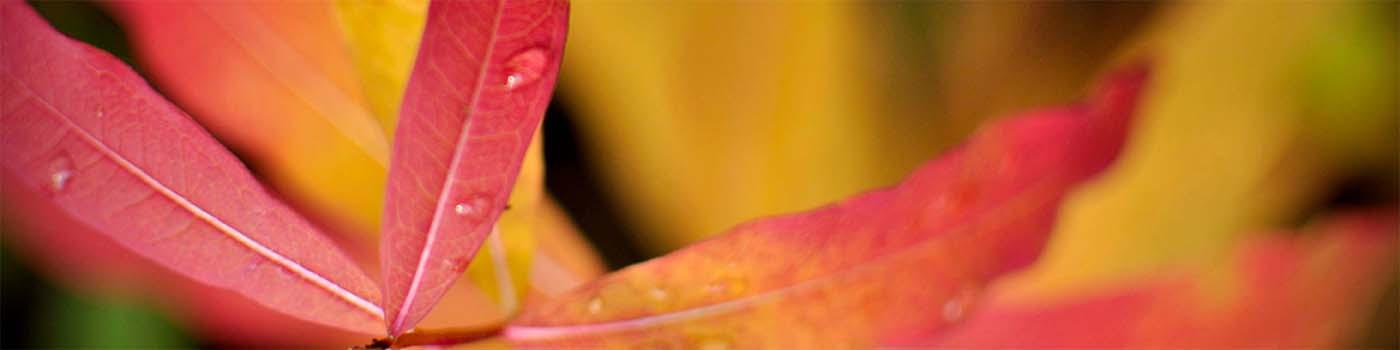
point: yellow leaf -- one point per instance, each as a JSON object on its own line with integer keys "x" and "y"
{"x": 1218, "y": 149}
{"x": 707, "y": 114}
{"x": 383, "y": 37}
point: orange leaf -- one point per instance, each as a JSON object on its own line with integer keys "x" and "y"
{"x": 853, "y": 272}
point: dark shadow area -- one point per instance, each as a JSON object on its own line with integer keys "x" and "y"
{"x": 572, "y": 179}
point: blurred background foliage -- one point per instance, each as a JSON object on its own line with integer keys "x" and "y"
{"x": 674, "y": 121}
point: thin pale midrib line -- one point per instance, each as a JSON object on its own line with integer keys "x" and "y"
{"x": 440, "y": 207}
{"x": 552, "y": 332}
{"x": 377, "y": 148}
{"x": 505, "y": 286}
{"x": 228, "y": 230}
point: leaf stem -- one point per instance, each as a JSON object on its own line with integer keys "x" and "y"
{"x": 433, "y": 337}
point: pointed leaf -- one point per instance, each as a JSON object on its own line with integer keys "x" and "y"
{"x": 1223, "y": 149}
{"x": 480, "y": 85}
{"x": 273, "y": 80}
{"x": 85, "y": 129}
{"x": 383, "y": 37}
{"x": 851, "y": 273}
{"x": 1308, "y": 291}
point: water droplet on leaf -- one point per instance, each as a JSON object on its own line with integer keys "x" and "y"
{"x": 60, "y": 172}
{"x": 713, "y": 344}
{"x": 725, "y": 287}
{"x": 59, "y": 179}
{"x": 952, "y": 310}
{"x": 658, "y": 294}
{"x": 476, "y": 205}
{"x": 595, "y": 305}
{"x": 525, "y": 67}
{"x": 463, "y": 209}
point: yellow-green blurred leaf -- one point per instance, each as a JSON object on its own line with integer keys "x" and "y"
{"x": 706, "y": 114}
{"x": 1218, "y": 150}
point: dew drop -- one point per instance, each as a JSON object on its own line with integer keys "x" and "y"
{"x": 952, "y": 309}
{"x": 658, "y": 294}
{"x": 595, "y": 305}
{"x": 955, "y": 308}
{"x": 60, "y": 173}
{"x": 474, "y": 206}
{"x": 713, "y": 344}
{"x": 463, "y": 209}
{"x": 725, "y": 287}
{"x": 525, "y": 67}
{"x": 59, "y": 179}
{"x": 455, "y": 263}
{"x": 657, "y": 344}
{"x": 716, "y": 288}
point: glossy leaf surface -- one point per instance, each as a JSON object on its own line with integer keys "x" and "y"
{"x": 481, "y": 82}
{"x": 1308, "y": 291}
{"x": 383, "y": 36}
{"x": 851, "y": 273}
{"x": 84, "y": 129}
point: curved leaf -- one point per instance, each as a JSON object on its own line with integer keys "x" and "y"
{"x": 1304, "y": 291}
{"x": 83, "y": 128}
{"x": 851, "y": 273}
{"x": 1223, "y": 147}
{"x": 480, "y": 85}
{"x": 83, "y": 259}
{"x": 273, "y": 80}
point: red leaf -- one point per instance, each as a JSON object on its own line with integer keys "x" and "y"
{"x": 83, "y": 128}
{"x": 480, "y": 85}
{"x": 80, "y": 258}
{"x": 1307, "y": 291}
{"x": 273, "y": 81}
{"x": 848, "y": 274}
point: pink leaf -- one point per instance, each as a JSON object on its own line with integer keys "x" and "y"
{"x": 890, "y": 262}
{"x": 1293, "y": 291}
{"x": 480, "y": 85}
{"x": 81, "y": 258}
{"x": 84, "y": 129}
